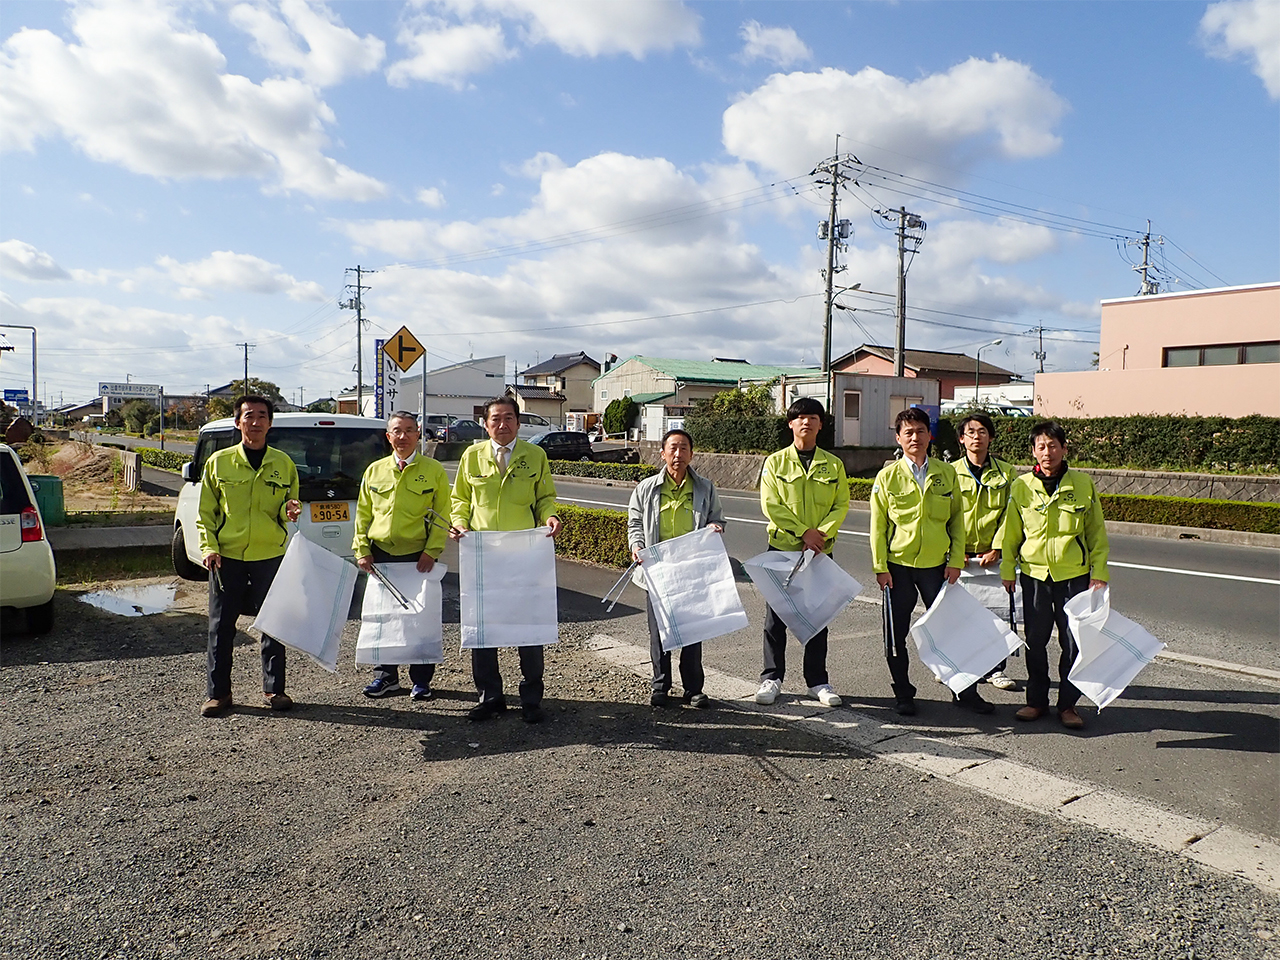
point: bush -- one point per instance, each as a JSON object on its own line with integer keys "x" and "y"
{"x": 620, "y": 415}
{"x": 606, "y": 471}
{"x": 163, "y": 459}
{"x": 860, "y": 489}
{"x": 596, "y": 536}
{"x": 745, "y": 421}
{"x": 1186, "y": 444}
{"x": 1189, "y": 512}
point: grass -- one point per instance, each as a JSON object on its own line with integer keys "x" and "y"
{"x": 125, "y": 563}
{"x": 118, "y": 518}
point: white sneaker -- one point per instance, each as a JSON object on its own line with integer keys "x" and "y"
{"x": 825, "y": 695}
{"x": 768, "y": 692}
{"x": 1001, "y": 682}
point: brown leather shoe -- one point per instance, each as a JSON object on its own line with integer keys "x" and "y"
{"x": 1070, "y": 719}
{"x": 278, "y": 701}
{"x": 216, "y": 707}
{"x": 1030, "y": 713}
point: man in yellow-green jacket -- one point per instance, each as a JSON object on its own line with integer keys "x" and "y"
{"x": 805, "y": 495}
{"x": 504, "y": 483}
{"x": 984, "y": 490}
{"x": 1055, "y": 532}
{"x": 247, "y": 492}
{"x": 395, "y": 524}
{"x": 917, "y": 544}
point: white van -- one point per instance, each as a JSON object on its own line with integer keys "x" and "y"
{"x": 331, "y": 452}
{"x": 531, "y": 425}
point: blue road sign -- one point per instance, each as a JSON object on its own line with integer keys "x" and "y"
{"x": 16, "y": 396}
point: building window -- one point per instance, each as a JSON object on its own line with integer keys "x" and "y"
{"x": 1222, "y": 354}
{"x": 604, "y": 394}
{"x": 626, "y": 392}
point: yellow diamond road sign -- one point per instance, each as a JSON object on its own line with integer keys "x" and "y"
{"x": 403, "y": 348}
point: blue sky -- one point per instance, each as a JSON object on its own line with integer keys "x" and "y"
{"x": 531, "y": 177}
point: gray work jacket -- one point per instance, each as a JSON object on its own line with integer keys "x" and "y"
{"x": 646, "y": 502}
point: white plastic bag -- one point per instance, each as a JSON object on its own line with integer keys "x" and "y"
{"x": 691, "y": 587}
{"x": 1110, "y": 648}
{"x": 507, "y": 588}
{"x": 307, "y": 605}
{"x": 392, "y": 634}
{"x": 816, "y": 595}
{"x": 988, "y": 589}
{"x": 960, "y": 640}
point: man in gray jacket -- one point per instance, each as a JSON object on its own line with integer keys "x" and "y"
{"x": 667, "y": 505}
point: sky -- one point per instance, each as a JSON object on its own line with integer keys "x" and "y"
{"x": 530, "y": 177}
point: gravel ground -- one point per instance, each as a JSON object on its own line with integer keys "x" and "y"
{"x": 352, "y": 828}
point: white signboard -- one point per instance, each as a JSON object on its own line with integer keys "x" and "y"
{"x": 131, "y": 391}
{"x": 390, "y": 385}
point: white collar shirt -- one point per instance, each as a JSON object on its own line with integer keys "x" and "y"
{"x": 919, "y": 472}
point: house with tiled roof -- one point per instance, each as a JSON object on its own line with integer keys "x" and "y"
{"x": 677, "y": 383}
{"x": 566, "y": 378}
{"x": 949, "y": 369}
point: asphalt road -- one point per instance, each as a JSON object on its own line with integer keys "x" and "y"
{"x": 1203, "y": 741}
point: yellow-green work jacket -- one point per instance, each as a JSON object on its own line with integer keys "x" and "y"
{"x": 241, "y": 509}
{"x": 796, "y": 500}
{"x": 1060, "y": 536}
{"x": 913, "y": 527}
{"x": 483, "y": 499}
{"x": 391, "y": 510}
{"x": 984, "y": 503}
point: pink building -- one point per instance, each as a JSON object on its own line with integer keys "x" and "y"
{"x": 1206, "y": 352}
{"x": 951, "y": 370}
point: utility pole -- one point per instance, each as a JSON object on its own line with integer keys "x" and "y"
{"x": 302, "y": 403}
{"x": 35, "y": 410}
{"x": 247, "y": 348}
{"x": 906, "y": 221}
{"x": 834, "y": 232}
{"x": 356, "y": 303}
{"x": 1040, "y": 354}
{"x": 1149, "y": 287}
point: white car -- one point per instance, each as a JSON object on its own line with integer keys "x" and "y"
{"x": 531, "y": 425}
{"x": 27, "y": 572}
{"x": 331, "y": 452}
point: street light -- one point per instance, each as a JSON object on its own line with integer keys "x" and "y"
{"x": 977, "y": 366}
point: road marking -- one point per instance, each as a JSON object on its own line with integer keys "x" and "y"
{"x": 1256, "y": 672}
{"x": 619, "y": 507}
{"x": 1223, "y": 849}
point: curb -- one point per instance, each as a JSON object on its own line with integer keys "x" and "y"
{"x": 1224, "y": 849}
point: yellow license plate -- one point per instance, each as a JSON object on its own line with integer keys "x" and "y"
{"x": 330, "y": 512}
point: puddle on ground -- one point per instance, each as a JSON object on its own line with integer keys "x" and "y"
{"x": 133, "y": 601}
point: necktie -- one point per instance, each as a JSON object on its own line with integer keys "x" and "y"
{"x": 503, "y": 453}
{"x": 402, "y": 464}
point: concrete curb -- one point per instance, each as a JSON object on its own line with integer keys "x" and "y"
{"x": 109, "y": 538}
{"x": 1224, "y": 849}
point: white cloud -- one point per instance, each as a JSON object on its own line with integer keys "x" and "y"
{"x": 144, "y": 91}
{"x": 447, "y": 54}
{"x": 977, "y": 108}
{"x": 431, "y": 197}
{"x": 24, "y": 262}
{"x": 1248, "y": 29}
{"x": 451, "y": 40}
{"x": 332, "y": 52}
{"x": 225, "y": 270}
{"x": 777, "y": 45}
{"x": 959, "y": 242}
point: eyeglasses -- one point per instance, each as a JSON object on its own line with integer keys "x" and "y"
{"x": 980, "y": 432}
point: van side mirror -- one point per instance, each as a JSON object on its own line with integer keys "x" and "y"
{"x": 187, "y": 469}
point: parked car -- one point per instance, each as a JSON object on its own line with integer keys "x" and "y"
{"x": 531, "y": 425}
{"x": 461, "y": 430}
{"x": 434, "y": 425}
{"x": 564, "y": 445}
{"x": 331, "y": 452}
{"x": 27, "y": 571}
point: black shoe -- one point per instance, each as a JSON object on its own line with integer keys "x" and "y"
{"x": 699, "y": 700}
{"x": 659, "y": 698}
{"x": 486, "y": 709}
{"x": 905, "y": 708}
{"x": 532, "y": 713}
{"x": 975, "y": 704}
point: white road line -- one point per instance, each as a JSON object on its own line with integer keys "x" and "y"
{"x": 1112, "y": 563}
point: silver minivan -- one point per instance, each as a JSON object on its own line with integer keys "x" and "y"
{"x": 331, "y": 452}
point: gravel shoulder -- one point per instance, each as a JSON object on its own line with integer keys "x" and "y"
{"x": 355, "y": 828}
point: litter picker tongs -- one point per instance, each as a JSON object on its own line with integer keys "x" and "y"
{"x": 794, "y": 570}
{"x": 392, "y": 589}
{"x": 620, "y": 586}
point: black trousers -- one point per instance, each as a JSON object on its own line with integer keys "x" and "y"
{"x": 240, "y": 587}
{"x": 488, "y": 680}
{"x": 1042, "y": 608}
{"x": 909, "y": 585}
{"x": 420, "y": 674}
{"x": 691, "y": 674}
{"x": 775, "y": 651}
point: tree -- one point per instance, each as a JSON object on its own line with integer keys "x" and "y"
{"x": 219, "y": 407}
{"x": 137, "y": 414}
{"x": 619, "y": 415}
{"x": 261, "y": 388}
{"x": 320, "y": 406}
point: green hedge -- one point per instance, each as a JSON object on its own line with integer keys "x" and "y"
{"x": 164, "y": 459}
{"x": 1188, "y": 512}
{"x": 1185, "y": 444}
{"x": 605, "y": 471}
{"x": 860, "y": 489}
{"x": 597, "y": 536}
